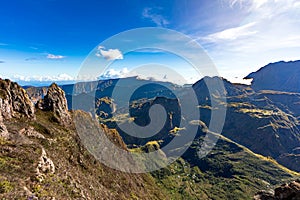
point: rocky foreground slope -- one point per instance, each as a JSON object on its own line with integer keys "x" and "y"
{"x": 41, "y": 158}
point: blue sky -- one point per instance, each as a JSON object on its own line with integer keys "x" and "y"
{"x": 48, "y": 40}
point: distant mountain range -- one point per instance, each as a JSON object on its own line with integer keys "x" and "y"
{"x": 263, "y": 117}
{"x": 42, "y": 156}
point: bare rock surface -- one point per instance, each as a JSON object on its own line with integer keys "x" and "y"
{"x": 288, "y": 191}
{"x": 56, "y": 102}
{"x": 14, "y": 101}
{"x": 45, "y": 166}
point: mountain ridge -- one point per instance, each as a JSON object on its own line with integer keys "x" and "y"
{"x": 42, "y": 155}
{"x": 279, "y": 76}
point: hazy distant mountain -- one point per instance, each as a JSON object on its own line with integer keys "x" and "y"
{"x": 280, "y": 76}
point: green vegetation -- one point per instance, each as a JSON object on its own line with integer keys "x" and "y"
{"x": 228, "y": 172}
{"x": 77, "y": 174}
{"x": 176, "y": 130}
{"x": 258, "y": 113}
{"x": 5, "y": 186}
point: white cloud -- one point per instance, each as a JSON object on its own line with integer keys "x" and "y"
{"x": 35, "y": 78}
{"x": 151, "y": 13}
{"x": 296, "y": 4}
{"x": 110, "y": 54}
{"x": 112, "y": 73}
{"x": 54, "y": 57}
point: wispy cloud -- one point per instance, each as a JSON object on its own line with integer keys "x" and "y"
{"x": 153, "y": 15}
{"x": 31, "y": 59}
{"x": 110, "y": 54}
{"x": 36, "y": 78}
{"x": 1, "y": 61}
{"x": 254, "y": 4}
{"x": 272, "y": 24}
{"x": 55, "y": 57}
{"x": 34, "y": 48}
{"x": 268, "y": 32}
{"x": 232, "y": 33}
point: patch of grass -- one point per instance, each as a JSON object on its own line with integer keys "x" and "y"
{"x": 240, "y": 104}
{"x": 3, "y": 141}
{"x": 2, "y": 163}
{"x": 6, "y": 186}
{"x": 257, "y": 113}
{"x": 133, "y": 196}
{"x": 40, "y": 128}
{"x": 176, "y": 130}
{"x": 205, "y": 107}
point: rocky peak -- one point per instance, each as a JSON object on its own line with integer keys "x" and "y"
{"x": 56, "y": 102}
{"x": 279, "y": 76}
{"x": 14, "y": 101}
{"x": 218, "y": 86}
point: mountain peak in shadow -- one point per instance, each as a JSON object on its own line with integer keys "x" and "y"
{"x": 279, "y": 76}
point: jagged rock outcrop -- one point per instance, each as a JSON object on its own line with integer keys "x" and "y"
{"x": 55, "y": 101}
{"x": 14, "y": 101}
{"x": 289, "y": 191}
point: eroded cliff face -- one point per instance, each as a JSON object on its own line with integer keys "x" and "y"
{"x": 14, "y": 101}
{"x": 55, "y": 101}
